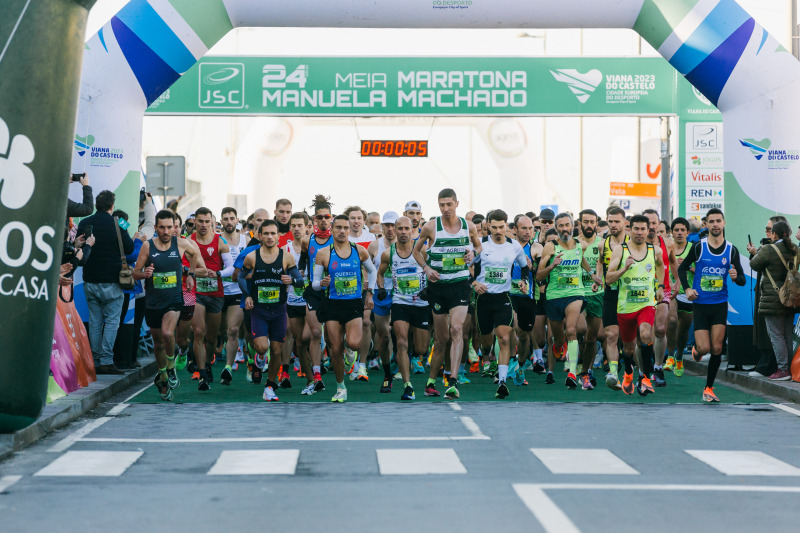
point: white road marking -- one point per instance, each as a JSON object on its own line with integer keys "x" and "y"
{"x": 114, "y": 411}
{"x": 281, "y": 439}
{"x": 454, "y": 406}
{"x": 786, "y": 408}
{"x": 255, "y": 462}
{"x": 7, "y": 481}
{"x": 419, "y": 462}
{"x": 473, "y": 428}
{"x": 550, "y": 515}
{"x": 65, "y": 443}
{"x": 90, "y": 464}
{"x": 582, "y": 461}
{"x": 744, "y": 463}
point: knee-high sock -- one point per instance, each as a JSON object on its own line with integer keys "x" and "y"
{"x": 647, "y": 359}
{"x": 572, "y": 355}
{"x": 713, "y": 367}
{"x": 628, "y": 361}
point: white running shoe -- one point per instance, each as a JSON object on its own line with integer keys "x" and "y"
{"x": 362, "y": 374}
{"x": 340, "y": 396}
{"x": 261, "y": 361}
{"x": 309, "y": 390}
{"x": 239, "y": 356}
{"x": 350, "y": 357}
{"x": 612, "y": 382}
{"x": 269, "y": 395}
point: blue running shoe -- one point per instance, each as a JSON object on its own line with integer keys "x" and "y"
{"x": 462, "y": 377}
{"x": 513, "y": 366}
{"x": 519, "y": 378}
{"x": 416, "y": 366}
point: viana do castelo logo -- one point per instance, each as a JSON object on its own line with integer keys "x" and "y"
{"x": 581, "y": 85}
{"x": 17, "y": 181}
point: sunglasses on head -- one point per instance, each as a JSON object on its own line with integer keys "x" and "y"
{"x": 322, "y": 217}
{"x": 189, "y": 223}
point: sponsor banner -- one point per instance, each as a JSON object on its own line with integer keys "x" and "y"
{"x": 703, "y": 168}
{"x": 355, "y": 86}
{"x": 620, "y": 188}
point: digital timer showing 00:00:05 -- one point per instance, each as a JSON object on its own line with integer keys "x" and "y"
{"x": 394, "y": 148}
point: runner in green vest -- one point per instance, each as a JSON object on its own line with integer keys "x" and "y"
{"x": 680, "y": 307}
{"x": 563, "y": 260}
{"x": 593, "y": 308}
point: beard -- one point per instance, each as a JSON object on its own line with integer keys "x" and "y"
{"x": 588, "y": 232}
{"x": 566, "y": 236}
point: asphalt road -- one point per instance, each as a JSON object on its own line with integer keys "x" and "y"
{"x": 397, "y": 467}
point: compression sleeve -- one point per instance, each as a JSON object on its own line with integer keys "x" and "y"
{"x": 372, "y": 274}
{"x": 302, "y": 263}
{"x": 243, "y": 282}
{"x": 297, "y": 277}
{"x": 227, "y": 265}
{"x": 687, "y": 264}
{"x": 319, "y": 273}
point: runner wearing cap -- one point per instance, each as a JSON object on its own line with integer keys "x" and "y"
{"x": 413, "y": 211}
{"x": 383, "y": 300}
{"x": 546, "y": 222}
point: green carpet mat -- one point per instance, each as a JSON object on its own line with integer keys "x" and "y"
{"x": 686, "y": 389}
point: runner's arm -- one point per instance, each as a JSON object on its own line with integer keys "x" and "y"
{"x": 383, "y": 268}
{"x": 424, "y": 235}
{"x": 474, "y": 239}
{"x": 369, "y": 266}
{"x": 319, "y": 269}
{"x": 144, "y": 255}
{"x": 293, "y": 271}
{"x": 737, "y": 264}
{"x": 227, "y": 265}
{"x": 687, "y": 262}
{"x": 543, "y": 272}
{"x": 614, "y": 273}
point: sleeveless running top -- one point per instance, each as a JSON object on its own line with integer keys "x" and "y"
{"x": 266, "y": 288}
{"x": 345, "y": 273}
{"x": 213, "y": 259}
{"x": 388, "y": 284}
{"x": 408, "y": 279}
{"x": 637, "y": 285}
{"x": 164, "y": 287}
{"x": 711, "y": 274}
{"x": 592, "y": 254}
{"x": 446, "y": 253}
{"x": 294, "y": 296}
{"x": 689, "y": 274}
{"x": 665, "y": 259}
{"x": 607, "y": 251}
{"x": 230, "y": 287}
{"x": 313, "y": 249}
{"x": 516, "y": 276}
{"x": 565, "y": 280}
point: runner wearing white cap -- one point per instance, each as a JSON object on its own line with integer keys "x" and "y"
{"x": 413, "y": 211}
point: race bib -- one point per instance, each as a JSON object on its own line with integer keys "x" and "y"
{"x": 711, "y": 283}
{"x": 408, "y": 284}
{"x": 496, "y": 276}
{"x": 207, "y": 285}
{"x": 638, "y": 294}
{"x": 346, "y": 284}
{"x": 515, "y": 290}
{"x": 299, "y": 292}
{"x": 227, "y": 279}
{"x": 453, "y": 262}
{"x": 269, "y": 295}
{"x": 568, "y": 281}
{"x": 165, "y": 280}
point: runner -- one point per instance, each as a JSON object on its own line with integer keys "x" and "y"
{"x": 409, "y": 310}
{"x": 342, "y": 308}
{"x": 546, "y": 222}
{"x": 320, "y": 239}
{"x": 361, "y": 236}
{"x": 209, "y": 292}
{"x": 714, "y": 259}
{"x": 493, "y": 280}
{"x": 637, "y": 300}
{"x": 296, "y": 304}
{"x": 383, "y": 300}
{"x": 593, "y": 308}
{"x": 541, "y": 328}
{"x": 616, "y": 238}
{"x": 183, "y": 332}
{"x": 446, "y": 266}
{"x": 563, "y": 262}
{"x": 259, "y": 216}
{"x": 523, "y": 301}
{"x": 413, "y": 211}
{"x": 233, "y": 295}
{"x": 159, "y": 264}
{"x": 680, "y": 307}
{"x": 272, "y": 271}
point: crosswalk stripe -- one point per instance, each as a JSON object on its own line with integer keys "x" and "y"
{"x": 582, "y": 461}
{"x": 90, "y": 464}
{"x": 255, "y": 462}
{"x": 419, "y": 461}
{"x": 744, "y": 463}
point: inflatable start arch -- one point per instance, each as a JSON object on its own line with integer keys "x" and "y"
{"x": 146, "y": 47}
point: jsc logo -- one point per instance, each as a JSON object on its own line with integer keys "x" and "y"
{"x": 221, "y": 86}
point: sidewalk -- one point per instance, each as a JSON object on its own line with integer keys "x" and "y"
{"x": 783, "y": 390}
{"x": 73, "y": 406}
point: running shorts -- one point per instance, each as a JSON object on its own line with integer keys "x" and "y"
{"x": 707, "y": 315}
{"x": 341, "y": 311}
{"x": 525, "y": 308}
{"x": 213, "y": 304}
{"x": 493, "y": 310}
{"x": 270, "y": 323}
{"x": 629, "y": 323}
{"x": 594, "y": 306}
{"x": 296, "y": 311}
{"x": 610, "y": 300}
{"x": 557, "y": 307}
{"x": 445, "y": 296}
{"x": 418, "y": 317}
{"x": 154, "y": 317}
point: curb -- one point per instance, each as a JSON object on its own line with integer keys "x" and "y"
{"x": 784, "y": 390}
{"x": 73, "y": 406}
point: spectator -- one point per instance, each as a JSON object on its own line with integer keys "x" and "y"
{"x": 104, "y": 295}
{"x": 125, "y": 357}
{"x": 779, "y": 318}
{"x": 75, "y": 209}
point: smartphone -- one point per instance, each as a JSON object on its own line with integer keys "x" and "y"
{"x": 749, "y": 239}
{"x": 78, "y": 177}
{"x": 87, "y": 230}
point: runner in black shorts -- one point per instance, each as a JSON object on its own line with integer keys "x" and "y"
{"x": 616, "y": 237}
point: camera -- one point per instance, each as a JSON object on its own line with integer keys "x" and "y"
{"x": 142, "y": 195}
{"x": 68, "y": 255}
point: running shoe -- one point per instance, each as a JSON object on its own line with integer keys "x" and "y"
{"x": 502, "y": 390}
{"x": 256, "y": 374}
{"x": 452, "y": 391}
{"x": 285, "y": 382}
{"x": 513, "y": 367}
{"x": 669, "y": 364}
{"x": 269, "y": 395}
{"x": 249, "y": 376}
{"x": 645, "y": 386}
{"x": 519, "y": 378}
{"x": 319, "y": 386}
{"x": 678, "y": 369}
{"x": 203, "y": 385}
{"x": 196, "y": 376}
{"x": 709, "y": 396}
{"x": 261, "y": 361}
{"x": 296, "y": 366}
{"x": 430, "y": 390}
{"x": 362, "y": 374}
{"x": 181, "y": 360}
{"x": 209, "y": 374}
{"x": 239, "y": 356}
{"x": 374, "y": 364}
{"x": 627, "y": 383}
{"x": 658, "y": 378}
{"x": 549, "y": 380}
{"x": 386, "y": 387}
{"x": 350, "y": 358}
{"x": 493, "y": 367}
{"x": 528, "y": 364}
{"x": 416, "y": 366}
{"x": 472, "y": 355}
{"x": 309, "y": 390}
{"x": 696, "y": 356}
{"x": 571, "y": 382}
{"x": 538, "y": 367}
{"x": 397, "y": 375}
{"x": 462, "y": 378}
{"x": 592, "y": 379}
{"x": 225, "y": 377}
{"x": 408, "y": 394}
{"x": 586, "y": 384}
{"x": 340, "y": 396}
{"x": 213, "y": 358}
{"x": 475, "y": 367}
{"x": 163, "y": 387}
{"x": 612, "y": 382}
{"x": 560, "y": 353}
{"x": 487, "y": 370}
{"x": 172, "y": 378}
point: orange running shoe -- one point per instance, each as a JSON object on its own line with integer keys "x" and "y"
{"x": 196, "y": 375}
{"x": 709, "y": 396}
{"x": 646, "y": 387}
{"x": 627, "y": 383}
{"x": 475, "y": 367}
{"x": 696, "y": 356}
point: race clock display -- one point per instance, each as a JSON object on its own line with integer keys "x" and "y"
{"x": 394, "y": 148}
